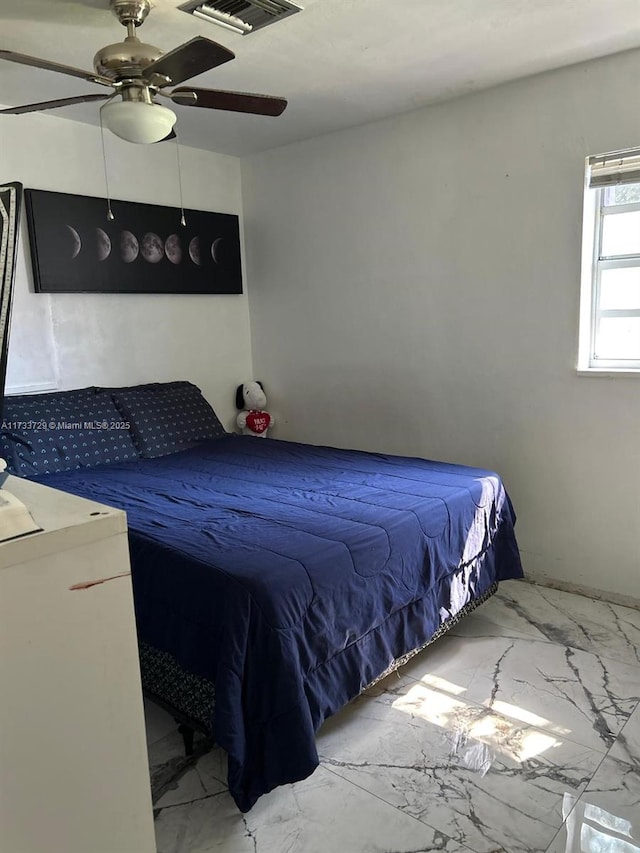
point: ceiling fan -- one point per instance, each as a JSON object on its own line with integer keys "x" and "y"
{"x": 140, "y": 72}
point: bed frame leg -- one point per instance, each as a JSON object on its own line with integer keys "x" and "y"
{"x": 187, "y": 736}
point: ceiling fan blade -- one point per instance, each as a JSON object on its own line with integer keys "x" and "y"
{"x": 190, "y": 59}
{"x": 51, "y": 105}
{"x": 23, "y": 59}
{"x": 237, "y": 102}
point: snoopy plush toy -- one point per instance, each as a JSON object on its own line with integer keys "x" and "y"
{"x": 253, "y": 419}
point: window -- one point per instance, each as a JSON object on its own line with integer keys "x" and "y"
{"x": 610, "y": 300}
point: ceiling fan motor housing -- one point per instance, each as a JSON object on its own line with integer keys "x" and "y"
{"x": 126, "y": 58}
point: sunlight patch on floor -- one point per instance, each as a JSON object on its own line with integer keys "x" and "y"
{"x": 609, "y": 821}
{"x": 442, "y": 684}
{"x": 467, "y": 723}
{"x": 592, "y": 840}
{"x": 592, "y": 829}
{"x": 515, "y": 712}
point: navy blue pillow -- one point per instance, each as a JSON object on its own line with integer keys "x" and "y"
{"x": 61, "y": 431}
{"x": 99, "y": 389}
{"x": 168, "y": 417}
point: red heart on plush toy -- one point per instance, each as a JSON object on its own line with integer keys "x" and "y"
{"x": 258, "y": 421}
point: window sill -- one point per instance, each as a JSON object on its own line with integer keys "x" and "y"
{"x": 607, "y": 373}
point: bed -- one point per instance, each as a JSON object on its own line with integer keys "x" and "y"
{"x": 273, "y": 581}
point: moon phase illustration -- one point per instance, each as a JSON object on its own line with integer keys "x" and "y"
{"x": 216, "y": 249}
{"x": 194, "y": 251}
{"x": 76, "y": 243}
{"x": 103, "y": 244}
{"x": 152, "y": 249}
{"x": 129, "y": 247}
{"x": 173, "y": 249}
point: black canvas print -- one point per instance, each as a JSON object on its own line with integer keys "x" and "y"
{"x": 10, "y": 201}
{"x": 144, "y": 249}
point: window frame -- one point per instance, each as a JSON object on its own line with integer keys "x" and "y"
{"x": 593, "y": 263}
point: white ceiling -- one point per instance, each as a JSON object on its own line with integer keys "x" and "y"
{"x": 340, "y": 63}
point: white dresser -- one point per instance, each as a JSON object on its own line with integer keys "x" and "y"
{"x": 74, "y": 776}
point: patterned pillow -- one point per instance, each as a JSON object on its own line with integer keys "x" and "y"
{"x": 61, "y": 431}
{"x": 147, "y": 386}
{"x": 166, "y": 418}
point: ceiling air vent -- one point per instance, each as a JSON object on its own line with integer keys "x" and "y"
{"x": 241, "y": 16}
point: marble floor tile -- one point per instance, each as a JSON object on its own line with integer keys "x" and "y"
{"x": 575, "y": 694}
{"x": 158, "y": 722}
{"x": 606, "y": 818}
{"x": 208, "y": 776}
{"x": 518, "y": 732}
{"x": 321, "y": 814}
{"x": 488, "y": 782}
{"x": 478, "y": 625}
{"x": 168, "y": 761}
{"x": 608, "y": 630}
{"x": 165, "y": 748}
{"x": 627, "y": 745}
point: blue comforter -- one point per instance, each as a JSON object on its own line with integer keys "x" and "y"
{"x": 291, "y": 576}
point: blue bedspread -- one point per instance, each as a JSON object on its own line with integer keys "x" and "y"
{"x": 292, "y": 575}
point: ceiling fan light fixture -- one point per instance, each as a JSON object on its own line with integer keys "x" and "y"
{"x": 138, "y": 121}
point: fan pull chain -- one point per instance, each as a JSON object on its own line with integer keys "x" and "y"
{"x": 110, "y": 215}
{"x": 183, "y": 221}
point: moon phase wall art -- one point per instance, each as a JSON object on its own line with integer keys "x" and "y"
{"x": 144, "y": 249}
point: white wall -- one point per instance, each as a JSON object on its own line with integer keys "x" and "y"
{"x": 72, "y": 340}
{"x": 414, "y": 289}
